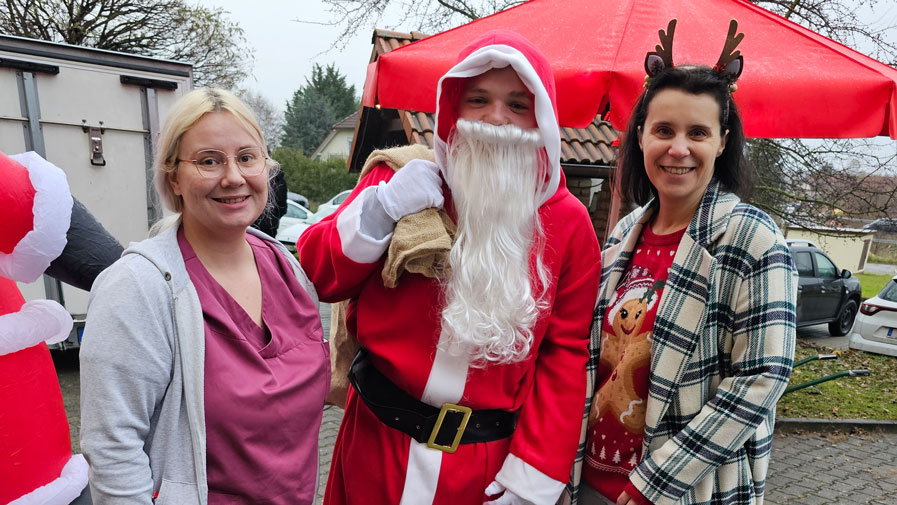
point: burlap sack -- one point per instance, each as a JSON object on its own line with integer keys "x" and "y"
{"x": 420, "y": 244}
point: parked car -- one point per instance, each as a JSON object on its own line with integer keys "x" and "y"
{"x": 296, "y": 214}
{"x": 824, "y": 294}
{"x": 875, "y": 329}
{"x": 883, "y": 224}
{"x": 290, "y": 235}
{"x": 330, "y": 206}
{"x": 296, "y": 197}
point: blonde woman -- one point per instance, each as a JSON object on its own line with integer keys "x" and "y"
{"x": 203, "y": 366}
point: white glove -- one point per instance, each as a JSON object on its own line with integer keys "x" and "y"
{"x": 413, "y": 188}
{"x": 508, "y": 498}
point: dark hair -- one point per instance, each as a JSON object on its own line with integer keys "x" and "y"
{"x": 730, "y": 168}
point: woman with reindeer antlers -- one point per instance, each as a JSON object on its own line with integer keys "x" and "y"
{"x": 694, "y": 328}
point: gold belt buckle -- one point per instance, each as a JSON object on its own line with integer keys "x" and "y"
{"x": 449, "y": 407}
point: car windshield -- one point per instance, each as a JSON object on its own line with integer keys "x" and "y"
{"x": 296, "y": 211}
{"x": 889, "y": 292}
{"x": 341, "y": 197}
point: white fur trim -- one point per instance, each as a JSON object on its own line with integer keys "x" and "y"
{"x": 445, "y": 384}
{"x": 525, "y": 481}
{"x": 422, "y": 475}
{"x": 52, "y": 216}
{"x": 37, "y": 321}
{"x": 62, "y": 491}
{"x": 357, "y": 246}
{"x": 447, "y": 378}
{"x": 499, "y": 56}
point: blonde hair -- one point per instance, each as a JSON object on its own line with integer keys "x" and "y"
{"x": 182, "y": 116}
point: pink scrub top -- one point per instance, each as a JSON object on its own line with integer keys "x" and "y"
{"x": 264, "y": 387}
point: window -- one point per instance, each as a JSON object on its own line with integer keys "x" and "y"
{"x": 826, "y": 268}
{"x": 296, "y": 211}
{"x": 889, "y": 292}
{"x": 804, "y": 264}
{"x": 341, "y": 197}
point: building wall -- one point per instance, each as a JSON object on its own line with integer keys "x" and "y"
{"x": 595, "y": 196}
{"x": 847, "y": 250}
{"x": 884, "y": 245}
{"x": 339, "y": 146}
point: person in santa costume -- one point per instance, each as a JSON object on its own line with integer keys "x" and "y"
{"x": 468, "y": 386}
{"x": 36, "y": 462}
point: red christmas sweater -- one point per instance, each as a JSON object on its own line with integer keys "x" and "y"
{"x": 375, "y": 464}
{"x": 617, "y": 417}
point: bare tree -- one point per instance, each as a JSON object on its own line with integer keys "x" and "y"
{"x": 842, "y": 182}
{"x": 419, "y": 15}
{"x": 860, "y": 24}
{"x": 836, "y": 181}
{"x": 847, "y": 21}
{"x": 269, "y": 118}
{"x": 169, "y": 29}
{"x": 802, "y": 182}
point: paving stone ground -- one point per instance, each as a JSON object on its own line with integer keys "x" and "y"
{"x": 833, "y": 469}
{"x": 806, "y": 468}
{"x": 329, "y": 428}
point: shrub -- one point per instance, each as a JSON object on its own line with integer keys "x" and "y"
{"x": 318, "y": 180}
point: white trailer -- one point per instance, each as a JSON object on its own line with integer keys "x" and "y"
{"x": 96, "y": 114}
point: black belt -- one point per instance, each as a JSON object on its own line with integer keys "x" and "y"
{"x": 441, "y": 429}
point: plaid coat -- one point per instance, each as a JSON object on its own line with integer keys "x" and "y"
{"x": 721, "y": 357}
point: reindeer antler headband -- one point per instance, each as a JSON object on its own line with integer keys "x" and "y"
{"x": 728, "y": 67}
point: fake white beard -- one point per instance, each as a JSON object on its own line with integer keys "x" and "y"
{"x": 495, "y": 174}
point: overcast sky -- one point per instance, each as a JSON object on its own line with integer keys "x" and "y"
{"x": 285, "y": 50}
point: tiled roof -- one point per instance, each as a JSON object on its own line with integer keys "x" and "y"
{"x": 386, "y": 40}
{"x": 347, "y": 123}
{"x": 589, "y": 146}
{"x": 592, "y": 144}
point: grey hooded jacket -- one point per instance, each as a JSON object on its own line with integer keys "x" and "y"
{"x": 142, "y": 370}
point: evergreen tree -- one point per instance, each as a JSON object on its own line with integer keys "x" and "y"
{"x": 332, "y": 85}
{"x": 323, "y": 100}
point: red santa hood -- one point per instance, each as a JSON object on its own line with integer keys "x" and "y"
{"x": 37, "y": 209}
{"x": 499, "y": 49}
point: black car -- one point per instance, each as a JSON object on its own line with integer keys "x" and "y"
{"x": 824, "y": 294}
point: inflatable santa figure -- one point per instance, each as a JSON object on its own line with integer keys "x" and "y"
{"x": 36, "y": 462}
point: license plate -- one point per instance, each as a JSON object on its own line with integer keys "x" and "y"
{"x": 891, "y": 333}
{"x": 80, "y": 333}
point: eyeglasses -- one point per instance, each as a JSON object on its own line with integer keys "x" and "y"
{"x": 212, "y": 162}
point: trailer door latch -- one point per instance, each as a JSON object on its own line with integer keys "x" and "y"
{"x": 95, "y": 139}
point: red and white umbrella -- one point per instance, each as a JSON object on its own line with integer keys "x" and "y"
{"x": 796, "y": 83}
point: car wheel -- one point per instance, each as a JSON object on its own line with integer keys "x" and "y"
{"x": 841, "y": 326}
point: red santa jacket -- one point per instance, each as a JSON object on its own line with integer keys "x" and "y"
{"x": 401, "y": 327}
